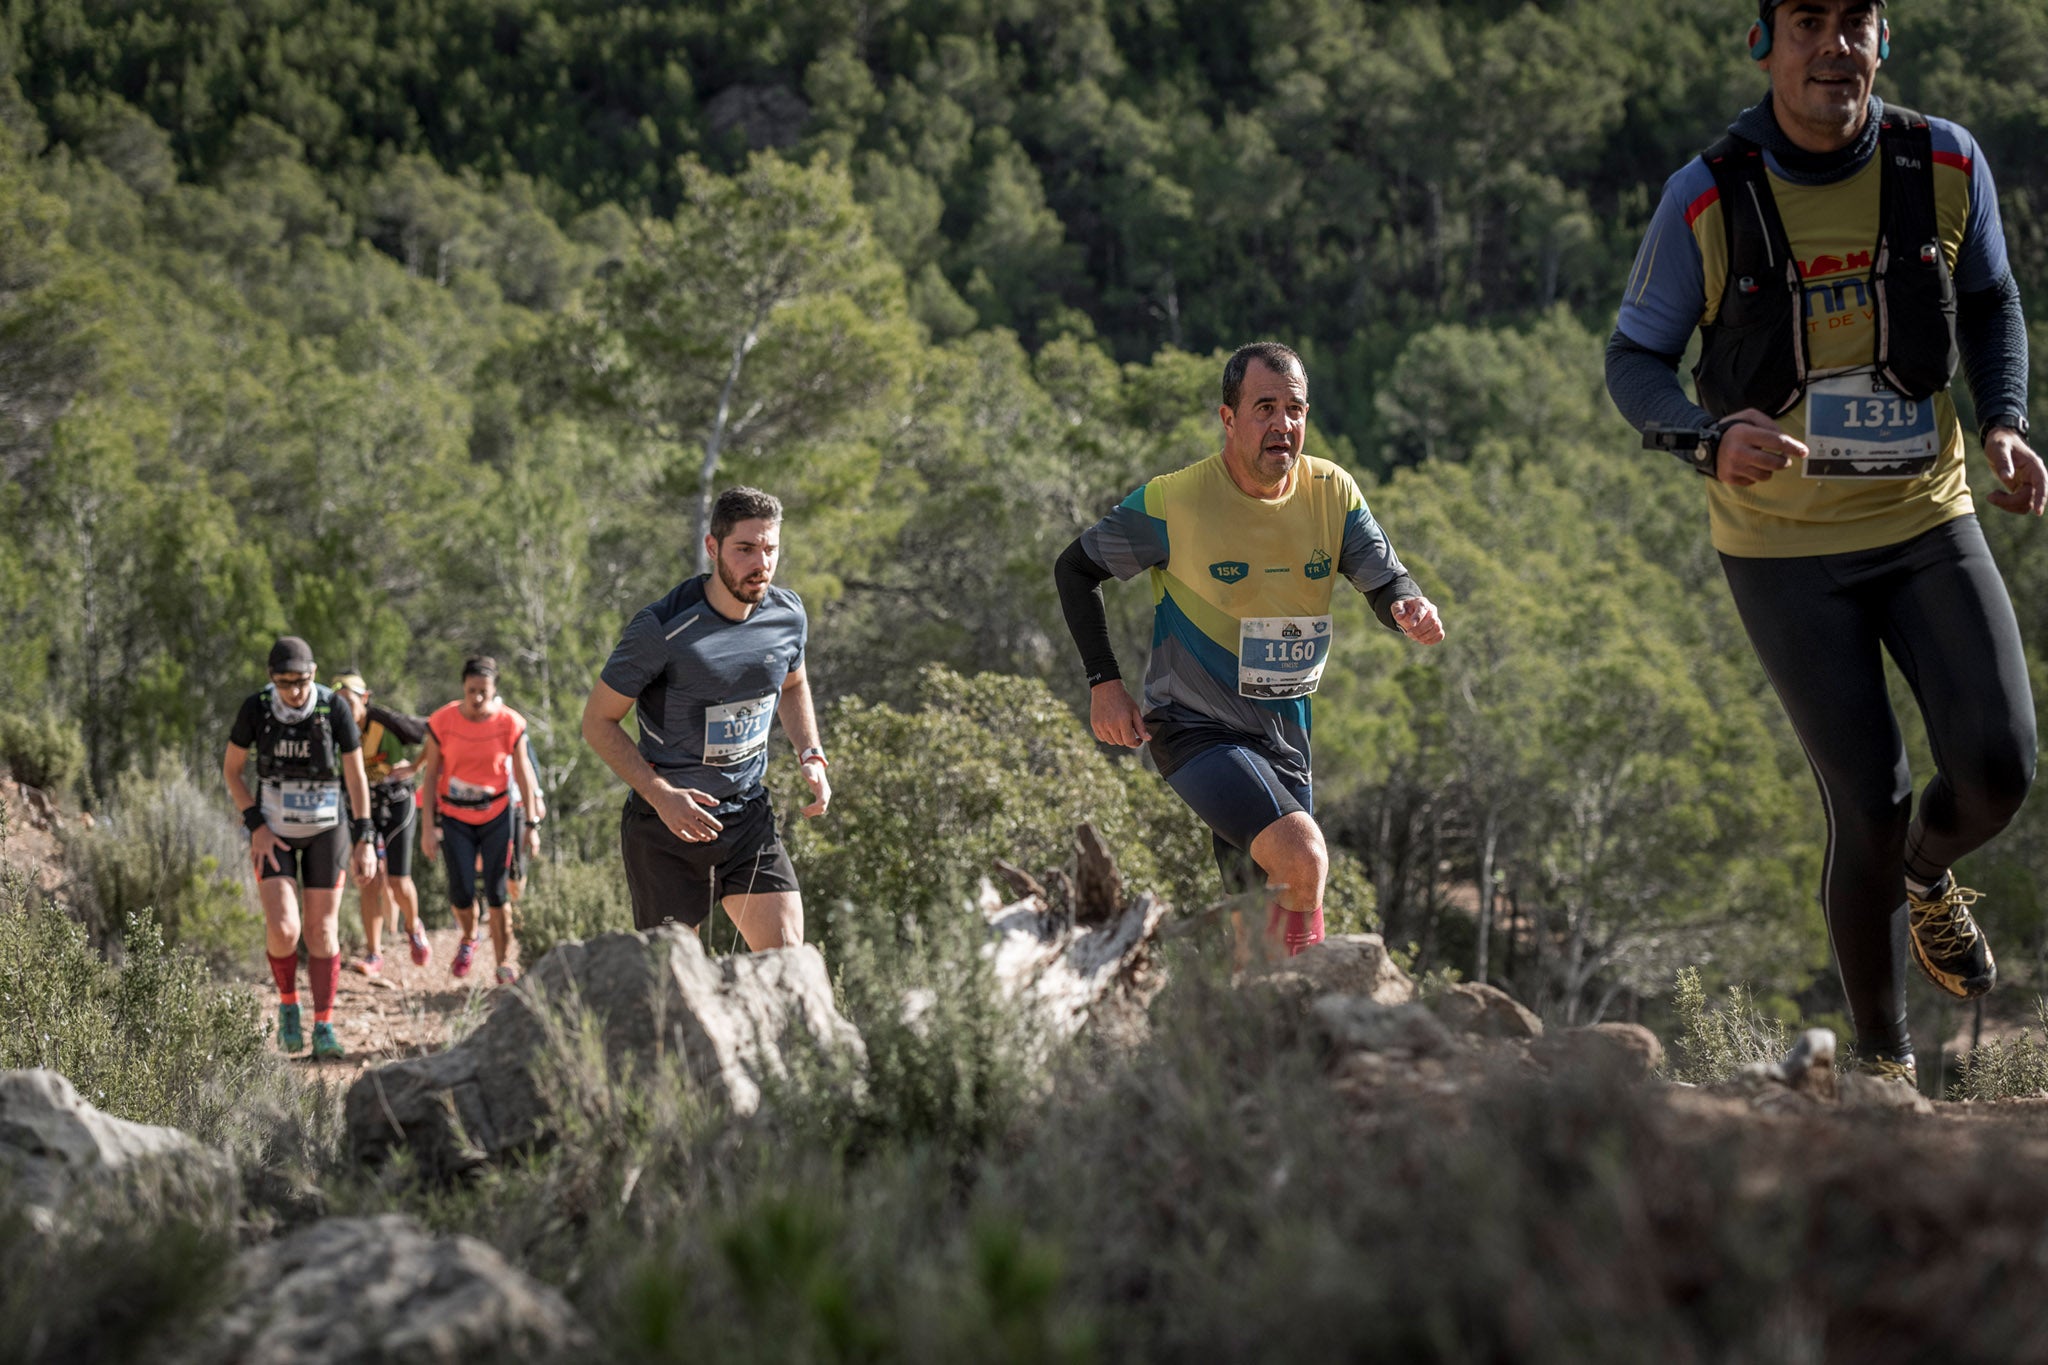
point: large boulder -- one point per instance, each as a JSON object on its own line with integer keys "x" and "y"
{"x": 1486, "y": 1012}
{"x": 352, "y": 1291}
{"x": 1628, "y": 1050}
{"x": 1358, "y": 1023}
{"x": 656, "y": 995}
{"x": 56, "y": 1150}
{"x": 1351, "y": 964}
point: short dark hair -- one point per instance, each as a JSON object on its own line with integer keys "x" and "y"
{"x": 1276, "y": 357}
{"x": 480, "y": 666}
{"x": 736, "y": 505}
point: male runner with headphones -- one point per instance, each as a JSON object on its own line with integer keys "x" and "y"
{"x": 1837, "y": 256}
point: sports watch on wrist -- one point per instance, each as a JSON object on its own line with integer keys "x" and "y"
{"x": 814, "y": 754}
{"x": 2011, "y": 421}
{"x": 1699, "y": 447}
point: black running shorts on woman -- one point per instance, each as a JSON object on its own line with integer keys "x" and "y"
{"x": 673, "y": 880}
{"x": 1937, "y": 605}
{"x": 315, "y": 861}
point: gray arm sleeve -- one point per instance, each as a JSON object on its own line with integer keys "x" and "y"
{"x": 1991, "y": 329}
{"x": 1644, "y": 385}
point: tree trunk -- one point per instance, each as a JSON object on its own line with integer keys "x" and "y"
{"x": 714, "y": 442}
{"x": 1489, "y": 840}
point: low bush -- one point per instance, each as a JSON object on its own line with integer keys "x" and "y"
{"x": 988, "y": 767}
{"x": 43, "y": 751}
{"x": 1715, "y": 1041}
{"x": 165, "y": 849}
{"x": 567, "y": 900}
{"x": 2006, "y": 1068}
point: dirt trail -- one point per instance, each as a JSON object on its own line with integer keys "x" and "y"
{"x": 403, "y": 1013}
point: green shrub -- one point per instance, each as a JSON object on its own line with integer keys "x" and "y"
{"x": 44, "y": 751}
{"x": 164, "y": 849}
{"x": 988, "y": 767}
{"x": 154, "y": 1040}
{"x": 2006, "y": 1068}
{"x": 1717, "y": 1041}
{"x": 566, "y": 901}
{"x": 117, "y": 1284}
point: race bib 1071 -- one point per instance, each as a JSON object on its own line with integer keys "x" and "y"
{"x": 737, "y": 732}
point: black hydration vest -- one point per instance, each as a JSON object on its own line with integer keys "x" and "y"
{"x": 1754, "y": 355}
{"x": 304, "y": 750}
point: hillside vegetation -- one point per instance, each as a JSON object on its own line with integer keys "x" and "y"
{"x": 405, "y": 328}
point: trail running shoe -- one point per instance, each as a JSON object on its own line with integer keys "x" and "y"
{"x": 289, "y": 1036}
{"x": 1947, "y": 943}
{"x": 422, "y": 951}
{"x": 325, "y": 1045}
{"x": 370, "y": 965}
{"x": 507, "y": 974}
{"x": 465, "y": 954}
{"x": 1891, "y": 1069}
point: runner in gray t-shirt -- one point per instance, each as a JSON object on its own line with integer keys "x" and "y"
{"x": 705, "y": 671}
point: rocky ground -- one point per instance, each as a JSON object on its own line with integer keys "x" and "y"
{"x": 406, "y": 1011}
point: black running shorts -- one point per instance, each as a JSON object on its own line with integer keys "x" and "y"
{"x": 673, "y": 880}
{"x": 315, "y": 861}
{"x": 397, "y": 822}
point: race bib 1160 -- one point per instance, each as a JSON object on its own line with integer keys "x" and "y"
{"x": 1281, "y": 656}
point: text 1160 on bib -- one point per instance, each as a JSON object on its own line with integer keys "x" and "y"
{"x": 1858, "y": 427}
{"x": 1281, "y": 656}
{"x": 737, "y": 732}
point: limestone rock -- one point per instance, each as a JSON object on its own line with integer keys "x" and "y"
{"x": 1353, "y": 964}
{"x": 1355, "y": 1023}
{"x": 353, "y": 1291}
{"x": 1487, "y": 1012}
{"x": 1809, "y": 1068}
{"x": 653, "y": 995}
{"x": 1630, "y": 1049}
{"x": 55, "y": 1148}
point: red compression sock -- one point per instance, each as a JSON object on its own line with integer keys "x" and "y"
{"x": 323, "y": 971}
{"x": 285, "y": 972}
{"x": 1297, "y": 929}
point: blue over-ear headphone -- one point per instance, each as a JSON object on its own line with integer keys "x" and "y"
{"x": 1760, "y": 38}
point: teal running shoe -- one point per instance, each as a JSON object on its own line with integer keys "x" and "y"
{"x": 289, "y": 1036}
{"x": 327, "y": 1047}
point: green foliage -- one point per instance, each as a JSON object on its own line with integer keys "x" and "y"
{"x": 566, "y": 901}
{"x": 154, "y": 1040}
{"x": 43, "y": 751}
{"x": 165, "y": 851}
{"x": 1716, "y": 1040}
{"x": 115, "y": 1283}
{"x": 2006, "y": 1068}
{"x": 988, "y": 767}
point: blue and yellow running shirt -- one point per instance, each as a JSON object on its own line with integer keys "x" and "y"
{"x": 1241, "y": 592}
{"x": 1675, "y": 288}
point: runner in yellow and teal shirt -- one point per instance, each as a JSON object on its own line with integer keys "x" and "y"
{"x": 1244, "y": 550}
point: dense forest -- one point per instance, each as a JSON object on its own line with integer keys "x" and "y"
{"x": 421, "y": 330}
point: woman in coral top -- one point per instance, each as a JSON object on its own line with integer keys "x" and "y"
{"x": 474, "y": 753}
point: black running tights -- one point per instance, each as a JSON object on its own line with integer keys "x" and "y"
{"x": 464, "y": 845}
{"x": 1937, "y": 605}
